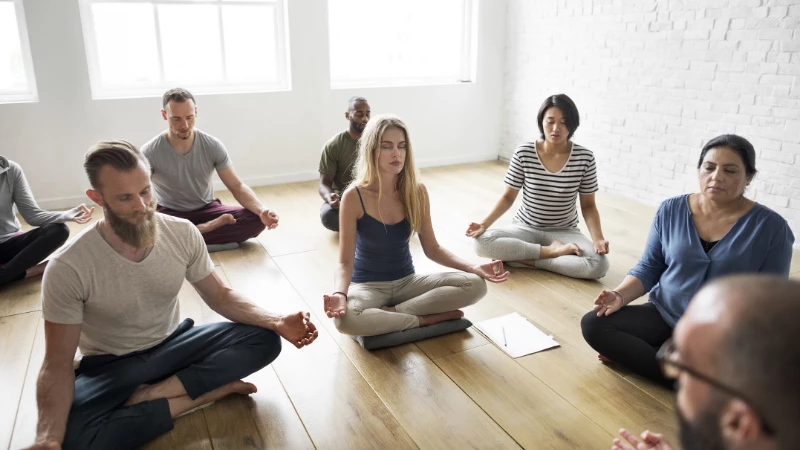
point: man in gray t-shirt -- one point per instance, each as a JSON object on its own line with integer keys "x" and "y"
{"x": 113, "y": 293}
{"x": 183, "y": 160}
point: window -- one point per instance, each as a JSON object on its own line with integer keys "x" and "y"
{"x": 140, "y": 48}
{"x": 17, "y": 83}
{"x": 399, "y": 43}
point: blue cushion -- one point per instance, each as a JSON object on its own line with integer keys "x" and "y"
{"x": 412, "y": 334}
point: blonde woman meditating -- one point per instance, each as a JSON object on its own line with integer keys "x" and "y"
{"x": 376, "y": 288}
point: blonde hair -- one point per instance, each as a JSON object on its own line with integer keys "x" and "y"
{"x": 368, "y": 174}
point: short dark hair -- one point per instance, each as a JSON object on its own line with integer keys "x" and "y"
{"x": 738, "y": 144}
{"x": 177, "y": 94}
{"x": 351, "y": 104}
{"x": 760, "y": 355}
{"x": 567, "y": 107}
{"x": 121, "y": 155}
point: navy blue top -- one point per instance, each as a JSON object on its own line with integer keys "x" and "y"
{"x": 674, "y": 264}
{"x": 382, "y": 252}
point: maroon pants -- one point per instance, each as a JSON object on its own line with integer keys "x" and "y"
{"x": 248, "y": 225}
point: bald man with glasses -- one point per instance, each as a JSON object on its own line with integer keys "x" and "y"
{"x": 735, "y": 355}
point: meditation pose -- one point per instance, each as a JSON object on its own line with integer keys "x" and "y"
{"x": 183, "y": 160}
{"x": 21, "y": 253}
{"x": 113, "y": 293}
{"x": 693, "y": 239}
{"x": 376, "y": 288}
{"x": 338, "y": 159}
{"x": 736, "y": 359}
{"x": 551, "y": 172}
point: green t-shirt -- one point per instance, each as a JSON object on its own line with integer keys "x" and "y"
{"x": 338, "y": 159}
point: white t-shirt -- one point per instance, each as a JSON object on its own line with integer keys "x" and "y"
{"x": 123, "y": 306}
{"x": 549, "y": 199}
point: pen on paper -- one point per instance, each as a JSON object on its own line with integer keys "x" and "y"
{"x": 505, "y": 344}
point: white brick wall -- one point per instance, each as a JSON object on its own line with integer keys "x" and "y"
{"x": 655, "y": 80}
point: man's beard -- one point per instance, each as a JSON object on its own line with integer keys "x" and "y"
{"x": 704, "y": 433}
{"x": 357, "y": 127}
{"x": 141, "y": 235}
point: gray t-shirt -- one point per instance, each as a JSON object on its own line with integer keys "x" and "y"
{"x": 123, "y": 306}
{"x": 183, "y": 183}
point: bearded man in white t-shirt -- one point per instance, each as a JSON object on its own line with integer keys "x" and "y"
{"x": 113, "y": 293}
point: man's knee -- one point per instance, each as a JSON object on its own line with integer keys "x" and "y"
{"x": 248, "y": 225}
{"x": 329, "y": 217}
{"x": 265, "y": 346}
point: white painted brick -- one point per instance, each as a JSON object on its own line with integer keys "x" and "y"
{"x": 769, "y": 122}
{"x": 793, "y": 149}
{"x": 703, "y": 34}
{"x": 775, "y": 34}
{"x": 778, "y": 11}
{"x": 750, "y": 3}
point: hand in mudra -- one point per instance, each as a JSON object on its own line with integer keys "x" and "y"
{"x": 475, "y": 229}
{"x": 607, "y": 303}
{"x": 335, "y": 305}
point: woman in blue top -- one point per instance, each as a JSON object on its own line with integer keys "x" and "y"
{"x": 377, "y": 290}
{"x": 694, "y": 238}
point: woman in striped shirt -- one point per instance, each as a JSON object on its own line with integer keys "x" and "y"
{"x": 551, "y": 172}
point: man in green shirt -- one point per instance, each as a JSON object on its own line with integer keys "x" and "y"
{"x": 338, "y": 161}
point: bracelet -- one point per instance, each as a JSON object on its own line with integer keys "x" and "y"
{"x": 337, "y": 292}
{"x": 620, "y": 296}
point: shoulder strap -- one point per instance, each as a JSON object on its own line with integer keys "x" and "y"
{"x": 362, "y": 200}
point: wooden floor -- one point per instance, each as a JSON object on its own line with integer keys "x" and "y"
{"x": 456, "y": 391}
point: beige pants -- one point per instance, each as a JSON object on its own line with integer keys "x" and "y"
{"x": 412, "y": 296}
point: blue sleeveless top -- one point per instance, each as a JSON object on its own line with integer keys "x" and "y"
{"x": 382, "y": 252}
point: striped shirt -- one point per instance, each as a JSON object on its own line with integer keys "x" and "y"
{"x": 549, "y": 199}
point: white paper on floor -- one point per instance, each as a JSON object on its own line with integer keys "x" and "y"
{"x": 514, "y": 335}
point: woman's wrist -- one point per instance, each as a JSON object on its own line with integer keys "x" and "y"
{"x": 342, "y": 293}
{"x": 621, "y": 297}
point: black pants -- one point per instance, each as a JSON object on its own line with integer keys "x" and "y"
{"x": 203, "y": 358}
{"x": 26, "y": 250}
{"x": 329, "y": 217}
{"x": 630, "y": 337}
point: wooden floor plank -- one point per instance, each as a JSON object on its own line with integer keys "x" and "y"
{"x": 17, "y": 334}
{"x": 530, "y": 411}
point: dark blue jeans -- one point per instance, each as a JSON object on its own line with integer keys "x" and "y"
{"x": 203, "y": 358}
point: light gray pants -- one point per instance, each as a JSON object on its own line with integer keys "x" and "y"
{"x": 518, "y": 242}
{"x": 412, "y": 296}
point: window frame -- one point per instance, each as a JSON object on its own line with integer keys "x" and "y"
{"x": 469, "y": 58}
{"x": 283, "y": 61}
{"x": 31, "y": 94}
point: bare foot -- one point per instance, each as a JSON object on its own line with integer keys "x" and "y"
{"x": 431, "y": 319}
{"x": 182, "y": 405}
{"x": 559, "y": 248}
{"x": 221, "y": 221}
{"x": 36, "y": 270}
{"x": 603, "y": 359}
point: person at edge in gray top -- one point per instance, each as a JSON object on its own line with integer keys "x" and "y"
{"x": 21, "y": 254}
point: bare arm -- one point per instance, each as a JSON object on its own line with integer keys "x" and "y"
{"x": 247, "y": 198}
{"x": 55, "y": 388}
{"x": 441, "y": 255}
{"x": 503, "y": 204}
{"x": 295, "y": 328}
{"x": 592, "y": 217}
{"x": 326, "y": 190}
{"x": 349, "y": 212}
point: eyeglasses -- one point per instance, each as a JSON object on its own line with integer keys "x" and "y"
{"x": 671, "y": 369}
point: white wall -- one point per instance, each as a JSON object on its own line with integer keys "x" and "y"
{"x": 655, "y": 80}
{"x": 272, "y": 137}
